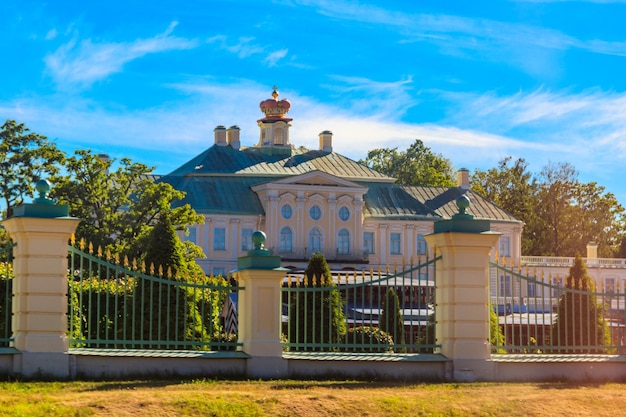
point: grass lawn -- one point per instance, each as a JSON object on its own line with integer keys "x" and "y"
{"x": 308, "y": 398}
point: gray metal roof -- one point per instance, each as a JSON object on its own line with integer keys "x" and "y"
{"x": 222, "y": 160}
{"x": 442, "y": 200}
{"x": 220, "y": 181}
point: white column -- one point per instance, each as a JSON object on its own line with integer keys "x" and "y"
{"x": 40, "y": 294}
{"x": 462, "y": 301}
{"x": 259, "y": 310}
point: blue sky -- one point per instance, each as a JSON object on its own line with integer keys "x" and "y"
{"x": 475, "y": 80}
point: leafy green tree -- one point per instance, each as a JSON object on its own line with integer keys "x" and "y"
{"x": 25, "y": 158}
{"x": 580, "y": 326}
{"x": 561, "y": 215}
{"x": 316, "y": 313}
{"x": 172, "y": 310}
{"x": 118, "y": 208}
{"x": 512, "y": 188}
{"x": 418, "y": 165}
{"x": 571, "y": 214}
{"x": 391, "y": 320}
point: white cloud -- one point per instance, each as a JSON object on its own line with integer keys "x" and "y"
{"x": 52, "y": 33}
{"x": 455, "y": 33}
{"x": 273, "y": 58}
{"x": 83, "y": 62}
{"x": 586, "y": 129}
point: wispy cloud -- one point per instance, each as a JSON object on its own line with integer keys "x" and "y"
{"x": 373, "y": 98}
{"x": 246, "y": 47}
{"x": 456, "y": 33}
{"x": 586, "y": 129}
{"x": 83, "y": 62}
{"x": 275, "y": 56}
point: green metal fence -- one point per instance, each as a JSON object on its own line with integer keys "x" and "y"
{"x": 118, "y": 304}
{"x": 6, "y": 281}
{"x": 374, "y": 319}
{"x": 539, "y": 314}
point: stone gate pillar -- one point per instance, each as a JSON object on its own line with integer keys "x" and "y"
{"x": 259, "y": 310}
{"x": 41, "y": 231}
{"x": 462, "y": 294}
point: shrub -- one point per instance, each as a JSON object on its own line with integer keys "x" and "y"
{"x": 367, "y": 339}
{"x": 316, "y": 313}
{"x": 391, "y": 320}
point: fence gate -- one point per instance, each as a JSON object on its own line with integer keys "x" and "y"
{"x": 547, "y": 314}
{"x": 6, "y": 288}
{"x": 361, "y": 311}
{"x": 118, "y": 304}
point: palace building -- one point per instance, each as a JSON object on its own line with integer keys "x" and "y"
{"x": 318, "y": 200}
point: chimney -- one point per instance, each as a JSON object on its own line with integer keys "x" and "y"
{"x": 462, "y": 178}
{"x": 326, "y": 141}
{"x": 233, "y": 137}
{"x": 220, "y": 136}
{"x": 592, "y": 253}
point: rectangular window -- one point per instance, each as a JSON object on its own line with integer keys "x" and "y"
{"x": 343, "y": 242}
{"x": 531, "y": 289}
{"x": 421, "y": 245}
{"x": 506, "y": 286}
{"x": 505, "y": 246}
{"x": 246, "y": 239}
{"x": 219, "y": 239}
{"x": 394, "y": 244}
{"x": 368, "y": 242}
{"x": 557, "y": 287}
{"x": 219, "y": 271}
{"x": 285, "y": 243}
{"x": 610, "y": 285}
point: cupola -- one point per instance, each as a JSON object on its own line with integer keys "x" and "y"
{"x": 274, "y": 135}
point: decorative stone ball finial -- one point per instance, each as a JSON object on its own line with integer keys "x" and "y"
{"x": 43, "y": 188}
{"x": 463, "y": 203}
{"x": 258, "y": 240}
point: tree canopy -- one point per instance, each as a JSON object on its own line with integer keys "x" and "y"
{"x": 25, "y": 158}
{"x": 561, "y": 214}
{"x": 418, "y": 165}
{"x": 118, "y": 208}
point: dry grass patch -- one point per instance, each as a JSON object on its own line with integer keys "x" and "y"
{"x": 307, "y": 398}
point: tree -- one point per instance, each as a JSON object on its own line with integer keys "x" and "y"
{"x": 176, "y": 315}
{"x": 570, "y": 214}
{"x": 25, "y": 158}
{"x": 118, "y": 208}
{"x": 166, "y": 252}
{"x": 561, "y": 215}
{"x": 316, "y": 313}
{"x": 390, "y": 320}
{"x": 580, "y": 326}
{"x": 417, "y": 166}
{"x": 512, "y": 188}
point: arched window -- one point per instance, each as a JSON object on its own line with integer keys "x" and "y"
{"x": 315, "y": 240}
{"x": 279, "y": 136}
{"x": 343, "y": 242}
{"x": 286, "y": 240}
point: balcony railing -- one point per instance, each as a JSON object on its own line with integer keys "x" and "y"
{"x": 569, "y": 261}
